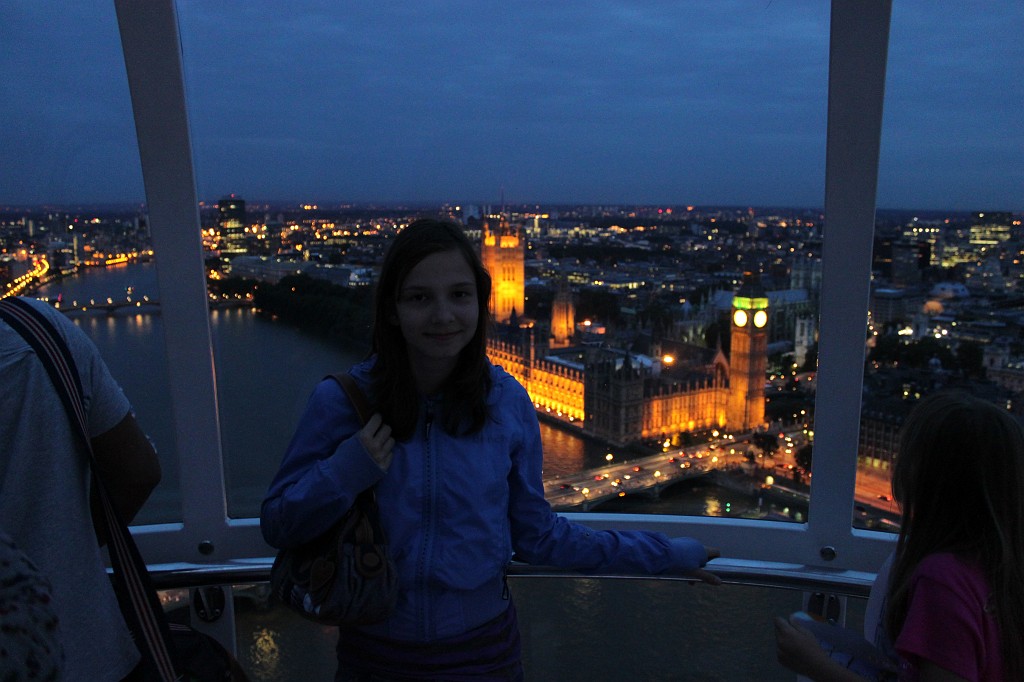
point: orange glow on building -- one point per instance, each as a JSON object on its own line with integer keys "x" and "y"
{"x": 612, "y": 394}
{"x": 502, "y": 253}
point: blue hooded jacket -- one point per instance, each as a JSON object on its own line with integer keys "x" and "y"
{"x": 454, "y": 508}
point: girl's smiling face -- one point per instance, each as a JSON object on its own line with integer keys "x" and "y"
{"x": 437, "y": 312}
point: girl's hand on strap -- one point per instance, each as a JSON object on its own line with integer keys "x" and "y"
{"x": 376, "y": 439}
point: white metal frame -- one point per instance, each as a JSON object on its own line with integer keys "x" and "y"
{"x": 857, "y": 63}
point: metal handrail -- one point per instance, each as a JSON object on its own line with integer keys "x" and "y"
{"x": 732, "y": 572}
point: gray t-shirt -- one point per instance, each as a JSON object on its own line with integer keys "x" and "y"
{"x": 44, "y": 495}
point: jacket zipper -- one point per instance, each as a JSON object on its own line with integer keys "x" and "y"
{"x": 428, "y": 518}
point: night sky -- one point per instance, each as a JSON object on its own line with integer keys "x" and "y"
{"x": 560, "y": 101}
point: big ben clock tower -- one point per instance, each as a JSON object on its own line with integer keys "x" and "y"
{"x": 748, "y": 358}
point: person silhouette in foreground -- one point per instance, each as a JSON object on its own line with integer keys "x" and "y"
{"x": 45, "y": 498}
{"x": 953, "y": 605}
{"x": 454, "y": 453}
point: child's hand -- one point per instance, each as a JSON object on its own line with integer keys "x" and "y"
{"x": 376, "y": 439}
{"x": 798, "y": 649}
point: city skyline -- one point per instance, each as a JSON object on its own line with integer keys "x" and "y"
{"x": 659, "y": 211}
{"x": 923, "y": 330}
{"x": 604, "y": 103}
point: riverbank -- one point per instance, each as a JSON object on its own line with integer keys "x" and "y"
{"x": 733, "y": 493}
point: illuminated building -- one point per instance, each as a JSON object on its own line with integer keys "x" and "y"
{"x": 748, "y": 358}
{"x": 990, "y": 229}
{"x": 562, "y": 316}
{"x": 231, "y": 221}
{"x": 501, "y": 250}
{"x": 653, "y": 391}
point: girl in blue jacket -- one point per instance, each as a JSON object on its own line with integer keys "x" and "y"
{"x": 454, "y": 453}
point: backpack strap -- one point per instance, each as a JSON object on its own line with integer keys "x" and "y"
{"x": 368, "y": 497}
{"x": 55, "y": 355}
{"x": 136, "y": 595}
{"x": 355, "y": 395}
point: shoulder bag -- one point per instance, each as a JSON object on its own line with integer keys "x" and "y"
{"x": 169, "y": 652}
{"x": 345, "y": 577}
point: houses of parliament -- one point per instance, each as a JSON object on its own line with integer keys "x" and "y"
{"x": 622, "y": 396}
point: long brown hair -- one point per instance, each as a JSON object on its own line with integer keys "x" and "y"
{"x": 959, "y": 479}
{"x": 393, "y": 389}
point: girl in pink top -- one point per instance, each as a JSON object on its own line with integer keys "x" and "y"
{"x": 955, "y": 593}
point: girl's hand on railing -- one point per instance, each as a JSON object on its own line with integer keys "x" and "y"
{"x": 707, "y": 576}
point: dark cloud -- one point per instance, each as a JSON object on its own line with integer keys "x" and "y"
{"x": 574, "y": 100}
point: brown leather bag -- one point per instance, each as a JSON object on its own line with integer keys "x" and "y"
{"x": 345, "y": 576}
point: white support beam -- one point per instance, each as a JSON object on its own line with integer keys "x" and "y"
{"x": 857, "y": 63}
{"x": 152, "y": 53}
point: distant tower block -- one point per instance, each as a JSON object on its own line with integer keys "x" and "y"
{"x": 231, "y": 219}
{"x": 748, "y": 358}
{"x": 502, "y": 250}
{"x": 563, "y": 316}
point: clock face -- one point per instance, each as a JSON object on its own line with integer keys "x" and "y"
{"x": 739, "y": 318}
{"x": 760, "y": 319}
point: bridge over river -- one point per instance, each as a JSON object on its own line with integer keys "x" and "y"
{"x": 143, "y": 304}
{"x": 582, "y": 490}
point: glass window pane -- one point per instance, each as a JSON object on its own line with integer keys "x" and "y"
{"x": 616, "y": 146}
{"x": 71, "y": 195}
{"x": 946, "y": 265}
{"x": 575, "y": 629}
